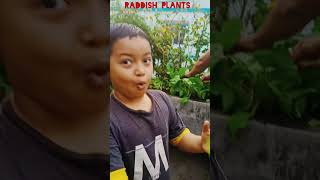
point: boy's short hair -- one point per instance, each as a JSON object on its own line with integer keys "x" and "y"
{"x": 123, "y": 30}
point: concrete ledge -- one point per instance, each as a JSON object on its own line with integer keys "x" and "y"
{"x": 185, "y": 166}
{"x": 265, "y": 151}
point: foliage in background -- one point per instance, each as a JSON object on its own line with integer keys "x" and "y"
{"x": 260, "y": 16}
{"x": 316, "y": 28}
{"x": 171, "y": 43}
{"x": 251, "y": 14}
{"x": 265, "y": 85}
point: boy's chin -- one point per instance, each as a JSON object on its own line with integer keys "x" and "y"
{"x": 138, "y": 94}
{"x": 90, "y": 105}
{"x": 142, "y": 91}
{"x": 135, "y": 94}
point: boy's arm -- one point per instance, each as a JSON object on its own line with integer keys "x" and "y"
{"x": 117, "y": 169}
{"x": 190, "y": 143}
{"x": 119, "y": 174}
{"x": 193, "y": 143}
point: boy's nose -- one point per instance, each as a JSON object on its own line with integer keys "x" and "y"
{"x": 95, "y": 32}
{"x": 140, "y": 71}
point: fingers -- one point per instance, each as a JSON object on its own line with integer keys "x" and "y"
{"x": 206, "y": 128}
{"x": 306, "y": 50}
{"x": 205, "y": 137}
{"x": 186, "y": 75}
{"x": 205, "y": 78}
{"x": 309, "y": 64}
{"x": 245, "y": 44}
{"x": 297, "y": 51}
{"x": 306, "y": 54}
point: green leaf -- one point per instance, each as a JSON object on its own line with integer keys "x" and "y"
{"x": 300, "y": 107}
{"x": 175, "y": 79}
{"x": 237, "y": 121}
{"x": 228, "y": 99}
{"x": 314, "y": 123}
{"x": 310, "y": 78}
{"x": 184, "y": 100}
{"x": 182, "y": 71}
{"x": 316, "y": 28}
{"x": 187, "y": 81}
{"x": 229, "y": 34}
{"x": 217, "y": 54}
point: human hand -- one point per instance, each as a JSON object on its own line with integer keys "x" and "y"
{"x": 205, "y": 78}
{"x": 306, "y": 53}
{"x": 201, "y": 64}
{"x": 246, "y": 44}
{"x": 187, "y": 74}
{"x": 205, "y": 137}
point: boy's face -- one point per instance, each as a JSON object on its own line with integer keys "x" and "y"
{"x": 55, "y": 52}
{"x": 131, "y": 66}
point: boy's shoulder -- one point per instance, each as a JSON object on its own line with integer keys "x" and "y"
{"x": 119, "y": 111}
{"x": 159, "y": 94}
{"x": 162, "y": 98}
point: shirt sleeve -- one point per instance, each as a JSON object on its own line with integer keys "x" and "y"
{"x": 117, "y": 168}
{"x": 119, "y": 174}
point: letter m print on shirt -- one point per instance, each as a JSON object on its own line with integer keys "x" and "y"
{"x": 141, "y": 157}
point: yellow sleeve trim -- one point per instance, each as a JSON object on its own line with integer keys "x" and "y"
{"x": 119, "y": 174}
{"x": 177, "y": 140}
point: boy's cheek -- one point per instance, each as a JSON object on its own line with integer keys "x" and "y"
{"x": 150, "y": 74}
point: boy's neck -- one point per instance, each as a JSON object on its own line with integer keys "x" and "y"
{"x": 80, "y": 133}
{"x": 137, "y": 103}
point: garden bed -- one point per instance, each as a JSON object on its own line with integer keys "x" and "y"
{"x": 267, "y": 152}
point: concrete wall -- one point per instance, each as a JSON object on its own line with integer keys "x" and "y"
{"x": 260, "y": 152}
{"x": 185, "y": 166}
{"x": 267, "y": 152}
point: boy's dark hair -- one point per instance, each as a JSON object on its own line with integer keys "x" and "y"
{"x": 123, "y": 30}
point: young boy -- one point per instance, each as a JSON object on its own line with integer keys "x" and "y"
{"x": 54, "y": 124}
{"x": 142, "y": 121}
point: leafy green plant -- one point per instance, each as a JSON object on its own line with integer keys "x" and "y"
{"x": 186, "y": 88}
{"x": 316, "y": 28}
{"x": 261, "y": 14}
{"x": 265, "y": 85}
{"x": 229, "y": 34}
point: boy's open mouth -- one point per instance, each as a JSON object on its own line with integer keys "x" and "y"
{"x": 141, "y": 85}
{"x": 97, "y": 77}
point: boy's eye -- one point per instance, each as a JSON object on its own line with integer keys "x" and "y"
{"x": 148, "y": 61}
{"x": 126, "y": 62}
{"x": 57, "y": 4}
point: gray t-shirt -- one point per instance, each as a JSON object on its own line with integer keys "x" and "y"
{"x": 139, "y": 140}
{"x": 25, "y": 154}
